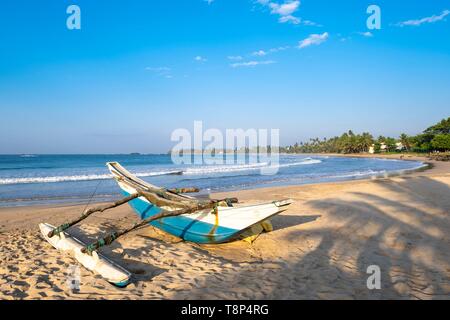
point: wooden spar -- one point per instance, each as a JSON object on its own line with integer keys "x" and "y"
{"x": 153, "y": 198}
{"x": 87, "y": 213}
{"x": 184, "y": 190}
{"x": 163, "y": 214}
{"x": 159, "y": 201}
{"x": 161, "y": 192}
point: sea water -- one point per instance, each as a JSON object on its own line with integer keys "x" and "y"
{"x": 54, "y": 179}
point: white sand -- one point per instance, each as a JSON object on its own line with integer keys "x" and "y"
{"x": 320, "y": 248}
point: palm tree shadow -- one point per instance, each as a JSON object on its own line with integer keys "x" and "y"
{"x": 286, "y": 221}
{"x": 404, "y": 231}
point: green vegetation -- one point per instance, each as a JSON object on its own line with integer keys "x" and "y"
{"x": 435, "y": 138}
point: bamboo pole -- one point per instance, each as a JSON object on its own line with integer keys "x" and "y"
{"x": 153, "y": 198}
{"x": 87, "y": 213}
{"x": 184, "y": 190}
{"x": 163, "y": 214}
{"x": 159, "y": 201}
{"x": 161, "y": 192}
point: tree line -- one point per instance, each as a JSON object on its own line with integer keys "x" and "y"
{"x": 434, "y": 138}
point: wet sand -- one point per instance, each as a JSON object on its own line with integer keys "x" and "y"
{"x": 320, "y": 248}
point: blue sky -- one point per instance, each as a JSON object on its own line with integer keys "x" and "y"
{"x": 137, "y": 70}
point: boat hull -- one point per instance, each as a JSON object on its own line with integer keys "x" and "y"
{"x": 195, "y": 229}
{"x": 202, "y": 226}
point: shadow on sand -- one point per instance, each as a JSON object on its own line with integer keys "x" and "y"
{"x": 407, "y": 239}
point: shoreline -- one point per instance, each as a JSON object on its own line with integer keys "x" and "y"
{"x": 428, "y": 165}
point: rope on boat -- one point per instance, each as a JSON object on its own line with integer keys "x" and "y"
{"x": 163, "y": 214}
{"x": 184, "y": 190}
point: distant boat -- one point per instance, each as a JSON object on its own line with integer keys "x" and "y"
{"x": 205, "y": 226}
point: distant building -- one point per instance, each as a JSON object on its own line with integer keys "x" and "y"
{"x": 384, "y": 148}
{"x": 399, "y": 146}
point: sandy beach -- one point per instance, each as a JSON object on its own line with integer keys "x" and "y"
{"x": 320, "y": 248}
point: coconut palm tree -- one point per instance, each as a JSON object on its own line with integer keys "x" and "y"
{"x": 405, "y": 141}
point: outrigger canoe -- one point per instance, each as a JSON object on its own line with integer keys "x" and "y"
{"x": 205, "y": 226}
{"x": 171, "y": 210}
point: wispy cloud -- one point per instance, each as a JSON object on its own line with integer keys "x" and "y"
{"x": 313, "y": 39}
{"x": 286, "y": 11}
{"x": 236, "y": 58}
{"x": 279, "y": 49}
{"x": 209, "y": 1}
{"x": 259, "y": 53}
{"x": 251, "y": 63}
{"x": 311, "y": 23}
{"x": 418, "y": 22}
{"x": 366, "y": 34}
{"x": 200, "y": 59}
{"x": 161, "y": 71}
{"x": 262, "y": 53}
{"x": 290, "y": 19}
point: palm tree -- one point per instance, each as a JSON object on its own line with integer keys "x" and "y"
{"x": 404, "y": 139}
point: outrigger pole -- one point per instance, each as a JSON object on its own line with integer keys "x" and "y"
{"x": 160, "y": 198}
{"x": 184, "y": 190}
{"x": 153, "y": 198}
{"x": 163, "y": 214}
{"x": 87, "y": 213}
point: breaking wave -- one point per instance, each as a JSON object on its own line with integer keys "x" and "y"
{"x": 246, "y": 167}
{"x": 188, "y": 171}
{"x": 78, "y": 177}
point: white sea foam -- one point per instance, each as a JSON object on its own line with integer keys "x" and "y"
{"x": 190, "y": 171}
{"x": 246, "y": 167}
{"x": 359, "y": 174}
{"x": 54, "y": 179}
{"x": 378, "y": 172}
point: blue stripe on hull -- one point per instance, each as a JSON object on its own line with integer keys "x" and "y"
{"x": 183, "y": 227}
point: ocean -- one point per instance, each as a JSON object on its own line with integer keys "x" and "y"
{"x": 60, "y": 179}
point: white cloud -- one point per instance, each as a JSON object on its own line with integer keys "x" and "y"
{"x": 284, "y": 11}
{"x": 313, "y": 39}
{"x": 161, "y": 71}
{"x": 235, "y": 58}
{"x": 209, "y": 1}
{"x": 310, "y": 23}
{"x": 418, "y": 22}
{"x": 200, "y": 59}
{"x": 259, "y": 53}
{"x": 289, "y": 18}
{"x": 367, "y": 34}
{"x": 158, "y": 69}
{"x": 279, "y": 49}
{"x": 251, "y": 63}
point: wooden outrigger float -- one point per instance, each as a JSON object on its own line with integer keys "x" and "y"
{"x": 171, "y": 210}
